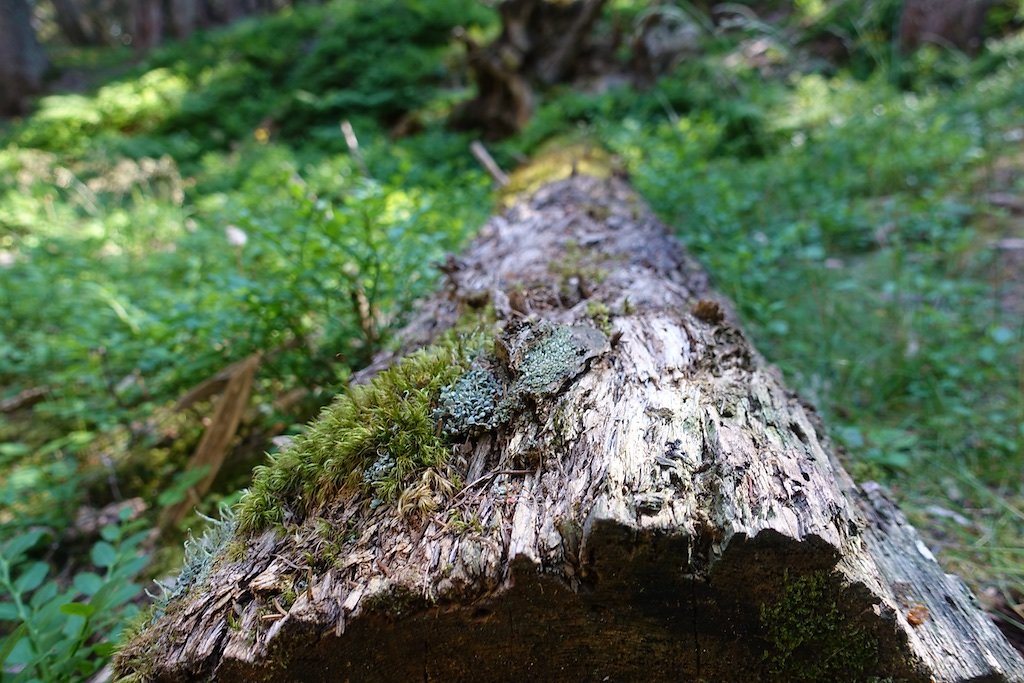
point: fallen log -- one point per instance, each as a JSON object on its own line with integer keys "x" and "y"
{"x": 587, "y": 474}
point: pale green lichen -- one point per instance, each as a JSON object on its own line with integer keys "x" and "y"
{"x": 200, "y": 555}
{"x": 548, "y": 363}
{"x": 392, "y": 438}
{"x": 480, "y": 400}
{"x": 470, "y": 405}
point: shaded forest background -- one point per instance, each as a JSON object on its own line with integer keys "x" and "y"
{"x": 212, "y": 212}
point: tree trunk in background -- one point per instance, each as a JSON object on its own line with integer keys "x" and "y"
{"x": 74, "y": 25}
{"x": 183, "y": 17}
{"x": 22, "y": 61}
{"x": 147, "y": 24}
{"x": 947, "y": 23}
{"x": 655, "y": 505}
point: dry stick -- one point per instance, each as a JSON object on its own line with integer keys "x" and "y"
{"x": 353, "y": 146}
{"x": 25, "y": 399}
{"x": 487, "y": 161}
{"x": 215, "y": 444}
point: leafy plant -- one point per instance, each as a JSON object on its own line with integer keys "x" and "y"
{"x": 55, "y": 631}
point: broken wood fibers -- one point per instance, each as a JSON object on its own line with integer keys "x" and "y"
{"x": 673, "y": 512}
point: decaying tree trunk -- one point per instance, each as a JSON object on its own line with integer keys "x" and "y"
{"x": 657, "y": 507}
{"x": 541, "y": 43}
{"x": 147, "y": 24}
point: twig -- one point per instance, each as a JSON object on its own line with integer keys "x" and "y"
{"x": 25, "y": 399}
{"x": 487, "y": 161}
{"x": 353, "y": 146}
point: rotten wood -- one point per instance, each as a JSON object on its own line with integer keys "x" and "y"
{"x": 658, "y": 517}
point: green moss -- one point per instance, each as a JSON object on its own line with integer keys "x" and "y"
{"x": 130, "y": 667}
{"x": 461, "y": 526}
{"x": 236, "y": 550}
{"x": 599, "y": 312}
{"x": 810, "y": 638}
{"x": 390, "y": 438}
{"x": 378, "y": 438}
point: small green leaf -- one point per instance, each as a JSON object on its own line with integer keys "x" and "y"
{"x": 20, "y": 544}
{"x": 11, "y": 640}
{"x": 81, "y": 609}
{"x": 31, "y": 578}
{"x": 47, "y": 592}
{"x": 12, "y": 450}
{"x": 182, "y": 483}
{"x": 88, "y": 583}
{"x": 8, "y": 612}
{"x": 103, "y": 554}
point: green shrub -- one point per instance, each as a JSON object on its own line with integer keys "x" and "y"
{"x": 55, "y": 631}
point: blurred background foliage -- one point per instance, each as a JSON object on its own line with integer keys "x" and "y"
{"x": 188, "y": 207}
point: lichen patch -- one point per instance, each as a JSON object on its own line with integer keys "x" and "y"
{"x": 470, "y": 405}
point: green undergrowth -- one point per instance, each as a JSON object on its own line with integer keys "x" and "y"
{"x": 201, "y": 207}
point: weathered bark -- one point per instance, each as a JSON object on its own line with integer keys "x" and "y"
{"x": 948, "y": 23}
{"x": 665, "y": 510}
{"x": 22, "y": 61}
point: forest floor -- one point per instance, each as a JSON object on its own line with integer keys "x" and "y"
{"x": 203, "y": 206}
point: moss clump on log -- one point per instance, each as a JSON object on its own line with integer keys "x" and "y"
{"x": 810, "y": 637}
{"x": 391, "y": 438}
{"x": 381, "y": 438}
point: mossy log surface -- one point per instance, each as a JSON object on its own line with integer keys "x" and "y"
{"x": 657, "y": 507}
